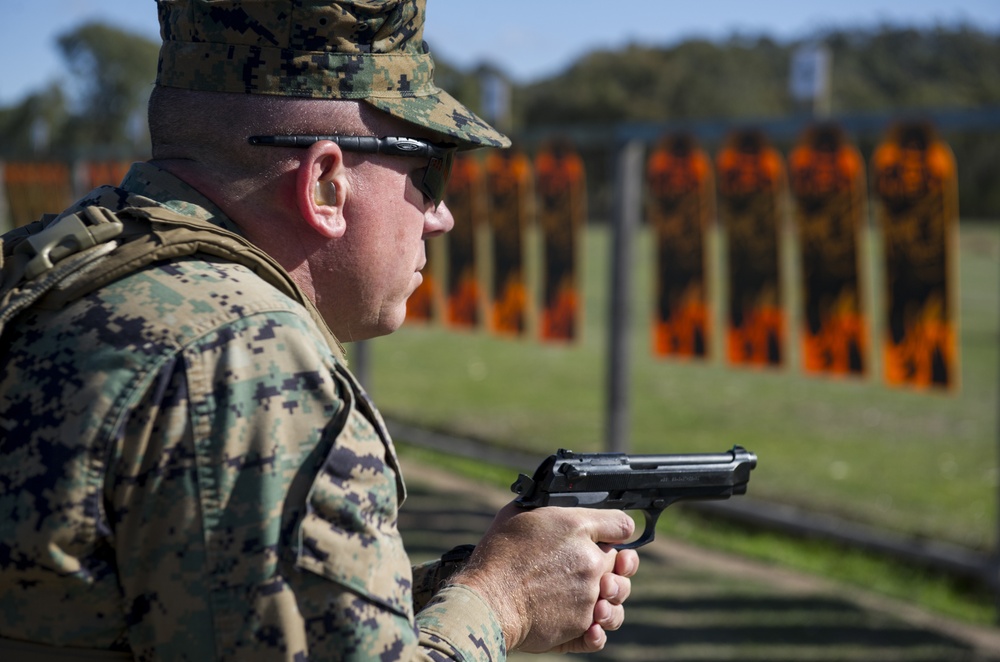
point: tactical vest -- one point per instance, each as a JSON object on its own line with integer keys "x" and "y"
{"x": 57, "y": 260}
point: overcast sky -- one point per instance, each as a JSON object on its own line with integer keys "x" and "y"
{"x": 528, "y": 39}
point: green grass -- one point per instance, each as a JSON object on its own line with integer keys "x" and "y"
{"x": 913, "y": 462}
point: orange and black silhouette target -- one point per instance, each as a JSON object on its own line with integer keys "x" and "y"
{"x": 36, "y": 188}
{"x": 561, "y": 197}
{"x": 915, "y": 182}
{"x": 750, "y": 180}
{"x": 466, "y": 200}
{"x": 827, "y": 180}
{"x": 508, "y": 187}
{"x": 679, "y": 184}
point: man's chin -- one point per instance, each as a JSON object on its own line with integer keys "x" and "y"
{"x": 390, "y": 322}
{"x": 382, "y": 322}
{"x": 374, "y": 329}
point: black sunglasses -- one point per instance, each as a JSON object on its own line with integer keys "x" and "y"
{"x": 431, "y": 181}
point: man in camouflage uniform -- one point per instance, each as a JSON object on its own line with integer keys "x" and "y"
{"x": 188, "y": 471}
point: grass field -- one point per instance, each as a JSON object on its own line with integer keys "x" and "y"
{"x": 912, "y": 462}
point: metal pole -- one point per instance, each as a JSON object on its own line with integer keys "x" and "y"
{"x": 994, "y": 572}
{"x": 627, "y": 206}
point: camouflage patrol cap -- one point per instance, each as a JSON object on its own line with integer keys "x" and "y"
{"x": 372, "y": 50}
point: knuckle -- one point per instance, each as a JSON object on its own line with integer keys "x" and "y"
{"x": 617, "y": 619}
{"x": 624, "y": 588}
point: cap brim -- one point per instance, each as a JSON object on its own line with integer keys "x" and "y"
{"x": 442, "y": 113}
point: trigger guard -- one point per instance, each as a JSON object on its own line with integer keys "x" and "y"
{"x": 648, "y": 533}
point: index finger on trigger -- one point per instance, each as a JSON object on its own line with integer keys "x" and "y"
{"x": 610, "y": 526}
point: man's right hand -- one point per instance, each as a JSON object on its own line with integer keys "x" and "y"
{"x": 552, "y": 576}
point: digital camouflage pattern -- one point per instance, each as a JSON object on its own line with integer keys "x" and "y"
{"x": 356, "y": 49}
{"x": 187, "y": 471}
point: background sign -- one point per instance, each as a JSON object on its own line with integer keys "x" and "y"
{"x": 751, "y": 178}
{"x": 827, "y": 180}
{"x": 916, "y": 184}
{"x": 680, "y": 189}
{"x": 809, "y": 76}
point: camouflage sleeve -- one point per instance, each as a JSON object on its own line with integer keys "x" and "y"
{"x": 432, "y": 576}
{"x": 437, "y": 604}
{"x": 257, "y": 518}
{"x": 459, "y": 625}
{"x": 425, "y": 583}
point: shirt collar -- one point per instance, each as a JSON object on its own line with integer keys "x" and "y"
{"x": 149, "y": 185}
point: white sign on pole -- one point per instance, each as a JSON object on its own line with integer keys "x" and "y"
{"x": 809, "y": 78}
{"x": 495, "y": 91}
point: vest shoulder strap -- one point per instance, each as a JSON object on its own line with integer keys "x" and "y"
{"x": 55, "y": 261}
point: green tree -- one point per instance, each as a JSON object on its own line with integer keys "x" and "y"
{"x": 896, "y": 68}
{"x": 30, "y": 128}
{"x": 113, "y": 71}
{"x": 745, "y": 77}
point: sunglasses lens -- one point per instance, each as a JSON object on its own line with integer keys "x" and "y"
{"x": 435, "y": 179}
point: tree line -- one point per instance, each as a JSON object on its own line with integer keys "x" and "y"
{"x": 100, "y": 114}
{"x": 746, "y": 77}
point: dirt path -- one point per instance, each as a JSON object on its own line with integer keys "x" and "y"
{"x": 691, "y": 604}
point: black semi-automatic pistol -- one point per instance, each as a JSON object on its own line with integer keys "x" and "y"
{"x": 648, "y": 483}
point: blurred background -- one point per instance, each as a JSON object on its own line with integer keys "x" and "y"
{"x": 890, "y": 475}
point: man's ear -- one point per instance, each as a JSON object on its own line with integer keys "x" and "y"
{"x": 321, "y": 189}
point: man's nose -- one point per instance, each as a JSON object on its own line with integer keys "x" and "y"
{"x": 438, "y": 221}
